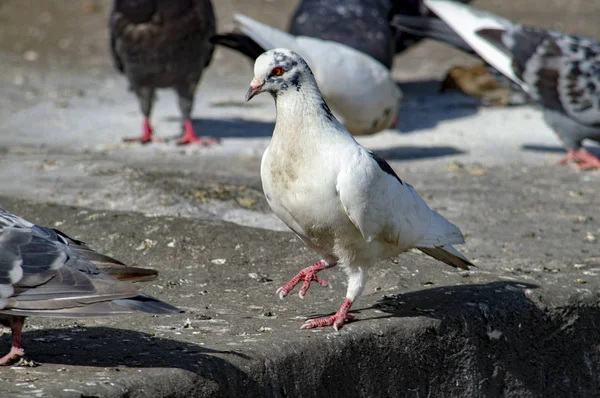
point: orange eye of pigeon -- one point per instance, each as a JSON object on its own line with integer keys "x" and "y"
{"x": 278, "y": 71}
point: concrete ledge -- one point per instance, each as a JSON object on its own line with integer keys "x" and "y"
{"x": 526, "y": 323}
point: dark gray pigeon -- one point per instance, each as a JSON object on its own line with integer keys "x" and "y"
{"x": 361, "y": 24}
{"x": 43, "y": 272}
{"x": 163, "y": 44}
{"x": 560, "y": 72}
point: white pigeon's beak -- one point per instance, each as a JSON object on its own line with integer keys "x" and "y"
{"x": 255, "y": 86}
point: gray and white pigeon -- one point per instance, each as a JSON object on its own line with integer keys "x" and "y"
{"x": 560, "y": 72}
{"x": 343, "y": 200}
{"x": 359, "y": 89}
{"x": 45, "y": 273}
{"x": 163, "y": 44}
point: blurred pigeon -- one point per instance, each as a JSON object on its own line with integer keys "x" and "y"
{"x": 162, "y": 44}
{"x": 361, "y": 24}
{"x": 560, "y": 72}
{"x": 359, "y": 89}
{"x": 343, "y": 200}
{"x": 43, "y": 272}
{"x": 474, "y": 80}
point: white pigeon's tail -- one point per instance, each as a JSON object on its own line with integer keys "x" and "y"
{"x": 467, "y": 21}
{"x": 448, "y": 255}
{"x": 438, "y": 241}
{"x": 264, "y": 35}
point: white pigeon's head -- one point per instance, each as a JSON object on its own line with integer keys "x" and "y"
{"x": 277, "y": 71}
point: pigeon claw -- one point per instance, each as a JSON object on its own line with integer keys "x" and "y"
{"x": 15, "y": 354}
{"x": 584, "y": 159}
{"x": 336, "y": 320}
{"x": 308, "y": 275}
{"x": 146, "y": 136}
{"x": 189, "y": 136}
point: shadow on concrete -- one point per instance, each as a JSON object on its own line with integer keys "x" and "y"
{"x": 417, "y": 152}
{"x": 503, "y": 333}
{"x": 230, "y": 128}
{"x": 424, "y": 107}
{"x": 558, "y": 149}
{"x": 543, "y": 148}
{"x": 110, "y": 347}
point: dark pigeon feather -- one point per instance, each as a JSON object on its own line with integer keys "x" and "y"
{"x": 360, "y": 24}
{"x": 239, "y": 42}
{"x": 162, "y": 43}
{"x": 431, "y": 28}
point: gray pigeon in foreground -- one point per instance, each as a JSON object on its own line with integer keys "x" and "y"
{"x": 163, "y": 44}
{"x": 560, "y": 72}
{"x": 343, "y": 200}
{"x": 45, "y": 273}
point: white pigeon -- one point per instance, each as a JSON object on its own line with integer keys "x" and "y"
{"x": 560, "y": 72}
{"x": 344, "y": 201}
{"x": 359, "y": 89}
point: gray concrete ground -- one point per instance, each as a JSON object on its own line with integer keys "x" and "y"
{"x": 524, "y": 323}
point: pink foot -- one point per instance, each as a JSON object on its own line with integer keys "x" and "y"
{"x": 13, "y": 356}
{"x": 584, "y": 159}
{"x": 146, "y": 136}
{"x": 190, "y": 137}
{"x": 337, "y": 320}
{"x": 308, "y": 274}
{"x": 16, "y": 351}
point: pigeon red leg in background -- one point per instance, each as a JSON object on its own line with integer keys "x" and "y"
{"x": 16, "y": 351}
{"x": 146, "y": 136}
{"x": 336, "y": 320}
{"x": 186, "y": 101}
{"x": 146, "y": 98}
{"x": 189, "y": 136}
{"x": 584, "y": 159}
{"x": 308, "y": 275}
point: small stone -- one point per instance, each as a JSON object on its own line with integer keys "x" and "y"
{"x": 30, "y": 55}
{"x": 218, "y": 261}
{"x": 590, "y": 237}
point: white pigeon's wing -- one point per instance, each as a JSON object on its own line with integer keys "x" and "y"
{"x": 264, "y": 35}
{"x": 384, "y": 207}
{"x": 466, "y": 21}
{"x": 358, "y": 88}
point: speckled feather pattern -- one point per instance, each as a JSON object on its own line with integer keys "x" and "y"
{"x": 562, "y": 72}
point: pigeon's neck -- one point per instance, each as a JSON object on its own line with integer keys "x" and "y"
{"x": 302, "y": 113}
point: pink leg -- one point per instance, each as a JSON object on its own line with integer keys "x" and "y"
{"x": 308, "y": 274}
{"x": 337, "y": 320}
{"x": 190, "y": 137}
{"x": 584, "y": 159}
{"x": 146, "y": 136}
{"x": 16, "y": 351}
